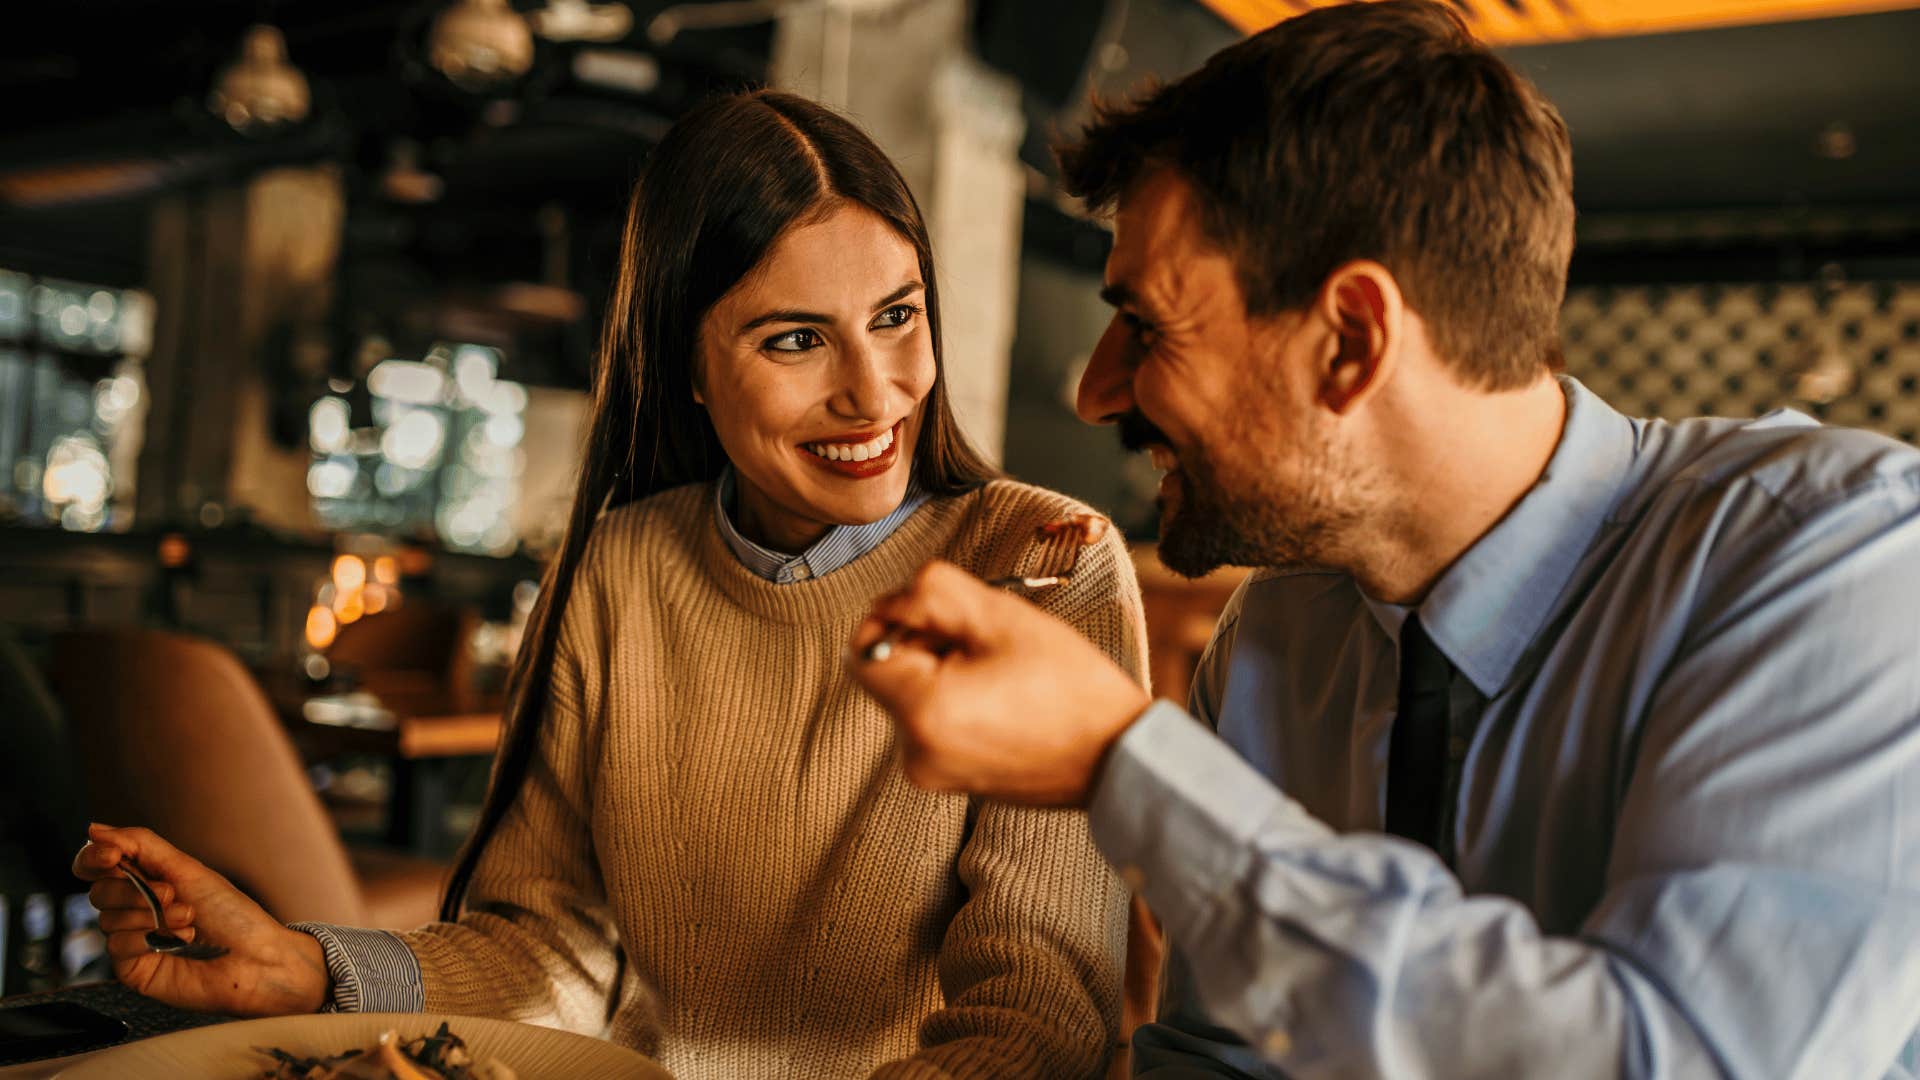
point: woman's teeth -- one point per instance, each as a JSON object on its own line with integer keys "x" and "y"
{"x": 865, "y": 451}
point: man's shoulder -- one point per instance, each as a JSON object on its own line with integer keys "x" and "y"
{"x": 1784, "y": 457}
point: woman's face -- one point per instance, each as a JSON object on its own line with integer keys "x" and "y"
{"x": 815, "y": 370}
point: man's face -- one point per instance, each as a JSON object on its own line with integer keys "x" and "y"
{"x": 1226, "y": 404}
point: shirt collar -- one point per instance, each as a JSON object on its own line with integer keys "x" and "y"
{"x": 1488, "y": 606}
{"x": 841, "y": 545}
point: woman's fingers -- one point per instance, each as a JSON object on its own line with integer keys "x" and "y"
{"x": 122, "y": 919}
{"x": 127, "y": 946}
{"x": 97, "y": 860}
{"x": 117, "y": 892}
{"x": 157, "y": 858}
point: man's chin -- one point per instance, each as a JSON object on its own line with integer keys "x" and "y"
{"x": 1186, "y": 546}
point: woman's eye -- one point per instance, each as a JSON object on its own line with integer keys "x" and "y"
{"x": 794, "y": 341}
{"x": 897, "y": 315}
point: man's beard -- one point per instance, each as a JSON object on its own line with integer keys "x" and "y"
{"x": 1252, "y": 520}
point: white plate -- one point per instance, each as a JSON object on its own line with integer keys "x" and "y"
{"x": 225, "y": 1051}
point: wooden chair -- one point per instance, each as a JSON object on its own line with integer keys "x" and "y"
{"x": 177, "y": 736}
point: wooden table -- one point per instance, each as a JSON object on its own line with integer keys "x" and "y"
{"x": 428, "y": 731}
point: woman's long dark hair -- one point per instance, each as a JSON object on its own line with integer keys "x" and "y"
{"x": 731, "y": 176}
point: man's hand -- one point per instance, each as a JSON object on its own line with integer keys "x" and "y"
{"x": 992, "y": 695}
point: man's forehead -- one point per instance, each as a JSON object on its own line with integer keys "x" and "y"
{"x": 1156, "y": 230}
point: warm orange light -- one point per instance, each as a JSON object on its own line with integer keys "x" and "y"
{"x": 174, "y": 551}
{"x": 321, "y": 627}
{"x": 386, "y": 570}
{"x": 349, "y": 573}
{"x": 1502, "y": 22}
{"x": 350, "y": 607}
{"x": 415, "y": 561}
{"x": 374, "y": 597}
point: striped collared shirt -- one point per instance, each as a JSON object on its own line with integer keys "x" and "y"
{"x": 841, "y": 545}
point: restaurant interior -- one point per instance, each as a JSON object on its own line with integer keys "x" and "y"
{"x": 299, "y": 302}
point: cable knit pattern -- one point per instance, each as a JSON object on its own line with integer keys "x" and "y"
{"x": 716, "y": 859}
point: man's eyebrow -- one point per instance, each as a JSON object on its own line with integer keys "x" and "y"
{"x": 790, "y": 315}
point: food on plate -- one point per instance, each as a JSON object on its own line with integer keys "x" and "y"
{"x": 439, "y": 1056}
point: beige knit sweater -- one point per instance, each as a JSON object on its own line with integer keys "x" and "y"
{"x": 716, "y": 859}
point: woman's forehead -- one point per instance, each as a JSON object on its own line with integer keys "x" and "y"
{"x": 842, "y": 262}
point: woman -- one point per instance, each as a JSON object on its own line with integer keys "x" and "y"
{"x": 696, "y": 841}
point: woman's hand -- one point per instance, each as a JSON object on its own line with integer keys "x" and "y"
{"x": 268, "y": 970}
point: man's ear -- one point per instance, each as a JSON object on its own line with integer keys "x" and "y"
{"x": 1361, "y": 303}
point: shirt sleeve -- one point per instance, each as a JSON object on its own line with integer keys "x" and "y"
{"x": 371, "y": 970}
{"x": 1760, "y": 915}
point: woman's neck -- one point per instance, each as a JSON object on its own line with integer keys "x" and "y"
{"x": 758, "y": 519}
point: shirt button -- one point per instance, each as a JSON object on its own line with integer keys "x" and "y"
{"x": 1132, "y": 875}
{"x": 800, "y": 572}
{"x": 1277, "y": 1044}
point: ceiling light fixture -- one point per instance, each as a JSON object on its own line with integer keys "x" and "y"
{"x": 480, "y": 44}
{"x": 578, "y": 20}
{"x": 261, "y": 91}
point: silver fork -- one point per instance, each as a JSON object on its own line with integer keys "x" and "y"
{"x": 883, "y": 648}
{"x": 158, "y": 939}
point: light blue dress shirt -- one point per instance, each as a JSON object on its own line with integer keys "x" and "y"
{"x": 1685, "y": 817}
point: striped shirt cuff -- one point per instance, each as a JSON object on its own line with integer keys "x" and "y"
{"x": 372, "y": 970}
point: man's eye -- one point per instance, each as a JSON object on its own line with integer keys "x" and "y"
{"x": 794, "y": 341}
{"x": 897, "y": 315}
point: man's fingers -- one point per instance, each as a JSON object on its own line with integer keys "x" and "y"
{"x": 902, "y": 679}
{"x": 942, "y": 603}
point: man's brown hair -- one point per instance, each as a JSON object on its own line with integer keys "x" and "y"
{"x": 1376, "y": 131}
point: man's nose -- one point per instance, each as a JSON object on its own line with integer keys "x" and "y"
{"x": 1106, "y": 390}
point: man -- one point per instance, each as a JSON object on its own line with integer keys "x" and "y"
{"x": 1549, "y": 742}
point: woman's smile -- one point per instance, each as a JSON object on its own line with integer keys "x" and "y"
{"x": 859, "y": 455}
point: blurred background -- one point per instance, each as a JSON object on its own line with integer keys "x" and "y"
{"x": 298, "y": 297}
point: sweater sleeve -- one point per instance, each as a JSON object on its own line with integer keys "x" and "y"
{"x": 1031, "y": 964}
{"x": 537, "y": 941}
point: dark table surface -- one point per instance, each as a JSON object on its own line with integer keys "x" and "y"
{"x": 143, "y": 1016}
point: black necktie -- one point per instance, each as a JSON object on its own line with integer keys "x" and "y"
{"x": 1417, "y": 754}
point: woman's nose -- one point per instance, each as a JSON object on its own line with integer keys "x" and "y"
{"x": 865, "y": 389}
{"x": 1106, "y": 389}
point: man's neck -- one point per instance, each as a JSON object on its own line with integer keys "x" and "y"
{"x": 1459, "y": 460}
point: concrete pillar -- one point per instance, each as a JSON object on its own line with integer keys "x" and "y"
{"x": 230, "y": 268}
{"x": 906, "y": 74}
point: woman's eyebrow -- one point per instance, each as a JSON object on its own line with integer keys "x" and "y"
{"x": 790, "y": 315}
{"x": 784, "y": 315}
{"x": 906, "y": 289}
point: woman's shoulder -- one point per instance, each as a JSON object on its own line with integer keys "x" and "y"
{"x": 1008, "y": 532}
{"x": 1012, "y": 500}
{"x": 671, "y": 517}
